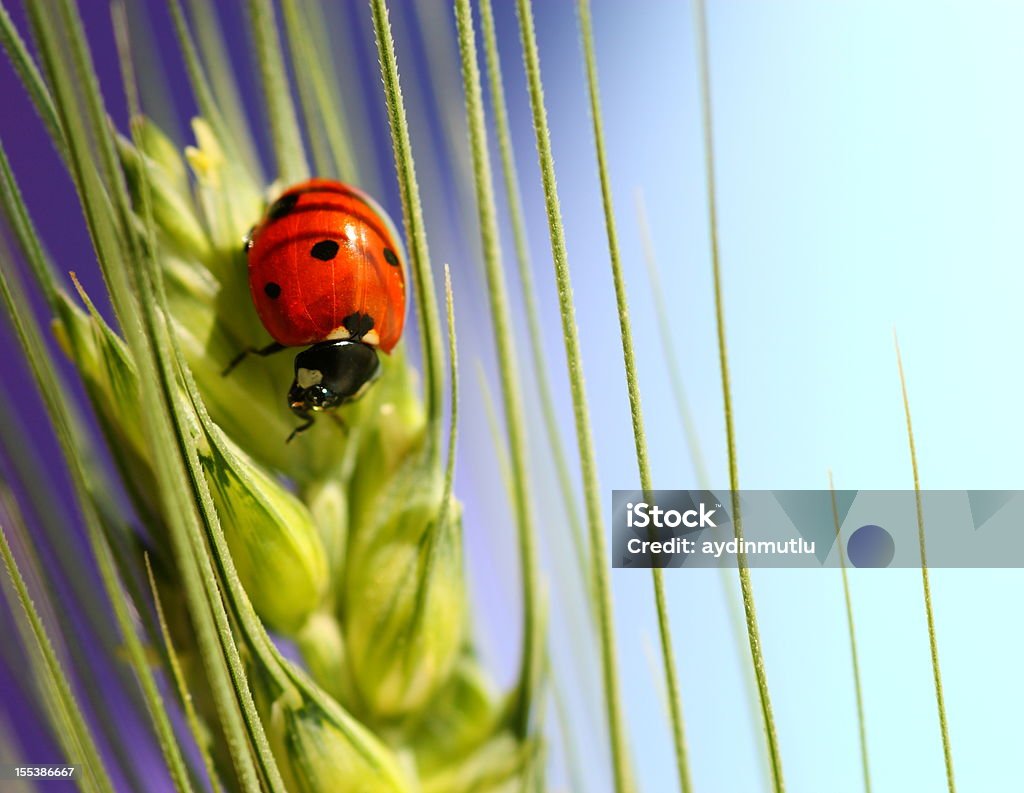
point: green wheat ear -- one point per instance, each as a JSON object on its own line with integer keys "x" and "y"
{"x": 361, "y": 564}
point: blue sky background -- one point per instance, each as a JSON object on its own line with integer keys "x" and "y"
{"x": 869, "y": 170}
{"x": 869, "y": 175}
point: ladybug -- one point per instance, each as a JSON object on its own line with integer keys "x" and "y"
{"x": 326, "y": 272}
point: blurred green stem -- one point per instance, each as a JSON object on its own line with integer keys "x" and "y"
{"x": 412, "y": 211}
{"x": 508, "y": 367}
{"x": 624, "y": 781}
{"x": 671, "y": 360}
{"x": 746, "y": 588}
{"x": 668, "y": 346}
{"x": 861, "y": 723}
{"x": 933, "y": 642}
{"x": 213, "y": 50}
{"x": 675, "y": 705}
{"x": 535, "y": 334}
{"x": 284, "y": 125}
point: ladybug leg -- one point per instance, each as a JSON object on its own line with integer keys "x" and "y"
{"x": 270, "y": 349}
{"x": 301, "y": 428}
{"x": 309, "y": 423}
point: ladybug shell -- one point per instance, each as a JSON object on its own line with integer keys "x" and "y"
{"x": 326, "y": 263}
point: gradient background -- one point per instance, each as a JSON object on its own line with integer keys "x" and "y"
{"x": 870, "y": 174}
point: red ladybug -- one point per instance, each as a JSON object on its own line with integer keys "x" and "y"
{"x": 326, "y": 269}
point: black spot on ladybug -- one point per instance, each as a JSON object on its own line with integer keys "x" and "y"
{"x": 272, "y": 290}
{"x": 283, "y": 206}
{"x": 358, "y": 325}
{"x": 325, "y": 250}
{"x": 390, "y": 257}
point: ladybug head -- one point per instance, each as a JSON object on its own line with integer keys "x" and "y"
{"x": 331, "y": 373}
